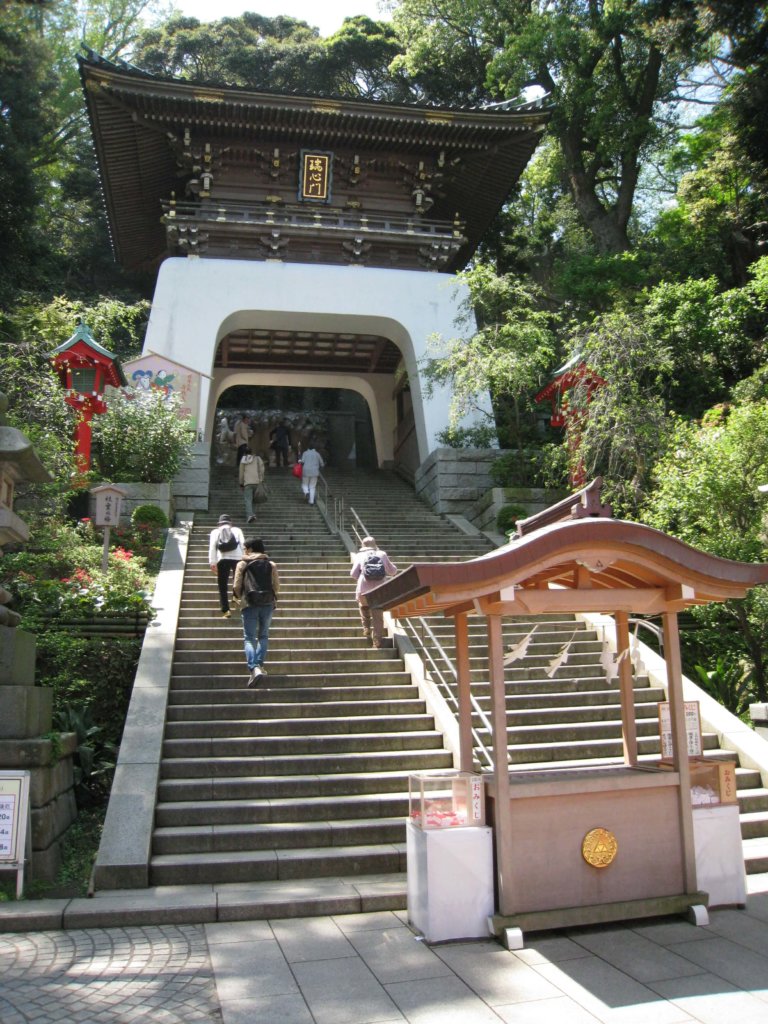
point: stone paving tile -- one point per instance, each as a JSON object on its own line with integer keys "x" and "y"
{"x": 374, "y": 921}
{"x": 267, "y": 1010}
{"x": 740, "y": 928}
{"x": 440, "y": 1001}
{"x": 251, "y": 970}
{"x": 636, "y": 955}
{"x": 396, "y": 954}
{"x": 671, "y": 931}
{"x": 735, "y": 963}
{"x": 549, "y": 950}
{"x": 494, "y": 973}
{"x": 609, "y": 994}
{"x": 238, "y": 931}
{"x": 108, "y": 976}
{"x": 546, "y": 1011}
{"x": 344, "y": 992}
{"x": 311, "y": 938}
{"x": 710, "y": 1000}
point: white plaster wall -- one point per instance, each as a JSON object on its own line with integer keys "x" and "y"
{"x": 198, "y": 301}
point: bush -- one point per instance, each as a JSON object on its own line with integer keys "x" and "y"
{"x": 508, "y": 516}
{"x": 517, "y": 469}
{"x": 149, "y": 515}
{"x": 479, "y": 436}
{"x": 142, "y": 439}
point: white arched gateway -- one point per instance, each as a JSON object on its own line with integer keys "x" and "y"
{"x": 302, "y": 240}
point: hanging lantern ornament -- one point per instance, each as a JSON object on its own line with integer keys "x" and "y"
{"x": 85, "y": 368}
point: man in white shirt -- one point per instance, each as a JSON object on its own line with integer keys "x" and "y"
{"x": 225, "y": 550}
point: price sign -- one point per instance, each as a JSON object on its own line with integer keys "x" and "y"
{"x": 15, "y": 837}
{"x": 692, "y": 729}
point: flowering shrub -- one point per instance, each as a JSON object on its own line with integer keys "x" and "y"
{"x": 141, "y": 439}
{"x": 64, "y": 580}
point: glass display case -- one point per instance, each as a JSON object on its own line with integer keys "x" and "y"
{"x": 451, "y": 799}
{"x": 712, "y": 782}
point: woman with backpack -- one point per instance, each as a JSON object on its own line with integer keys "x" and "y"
{"x": 371, "y": 566}
{"x": 225, "y": 550}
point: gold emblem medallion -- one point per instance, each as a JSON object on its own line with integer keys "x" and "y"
{"x": 599, "y": 847}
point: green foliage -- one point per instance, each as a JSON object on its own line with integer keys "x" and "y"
{"x": 706, "y": 493}
{"x": 95, "y": 757}
{"x": 482, "y": 436}
{"x": 627, "y": 424}
{"x": 517, "y": 468}
{"x": 730, "y": 682}
{"x": 507, "y": 517}
{"x": 149, "y": 515}
{"x": 142, "y": 439}
{"x": 505, "y": 357}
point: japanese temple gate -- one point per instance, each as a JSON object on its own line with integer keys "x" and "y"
{"x": 589, "y": 565}
{"x": 303, "y": 240}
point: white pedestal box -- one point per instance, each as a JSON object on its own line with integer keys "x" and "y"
{"x": 719, "y": 855}
{"x": 450, "y": 881}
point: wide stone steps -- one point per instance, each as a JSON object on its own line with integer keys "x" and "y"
{"x": 326, "y": 744}
{"x": 316, "y": 726}
{"x": 406, "y": 709}
{"x": 286, "y": 835}
{"x": 306, "y": 763}
{"x": 271, "y": 787}
{"x": 277, "y": 865}
{"x": 307, "y": 809}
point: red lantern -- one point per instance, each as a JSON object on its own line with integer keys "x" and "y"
{"x": 85, "y": 368}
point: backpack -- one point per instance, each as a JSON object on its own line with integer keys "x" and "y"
{"x": 373, "y": 566}
{"x": 227, "y": 540}
{"x": 257, "y": 582}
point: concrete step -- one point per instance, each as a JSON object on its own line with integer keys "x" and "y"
{"x": 375, "y": 760}
{"x": 287, "y": 835}
{"x": 275, "y": 865}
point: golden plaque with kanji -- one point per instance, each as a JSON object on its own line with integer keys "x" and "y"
{"x": 599, "y": 847}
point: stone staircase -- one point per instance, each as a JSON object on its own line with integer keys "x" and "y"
{"x": 306, "y": 777}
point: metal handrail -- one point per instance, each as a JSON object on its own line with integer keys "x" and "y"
{"x": 653, "y": 627}
{"x": 358, "y": 534}
{"x": 360, "y": 530}
{"x": 445, "y": 686}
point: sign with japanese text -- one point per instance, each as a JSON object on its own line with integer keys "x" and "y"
{"x": 15, "y": 835}
{"x": 692, "y": 728}
{"x": 109, "y": 501}
{"x": 315, "y": 177}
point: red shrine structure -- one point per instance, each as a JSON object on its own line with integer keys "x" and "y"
{"x": 85, "y": 368}
{"x": 570, "y": 392}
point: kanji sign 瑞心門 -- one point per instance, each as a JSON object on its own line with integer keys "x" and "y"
{"x": 315, "y": 184}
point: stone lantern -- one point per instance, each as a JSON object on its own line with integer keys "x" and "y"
{"x": 26, "y": 718}
{"x": 85, "y": 368}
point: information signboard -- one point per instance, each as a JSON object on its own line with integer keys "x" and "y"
{"x": 15, "y": 836}
{"x": 692, "y": 729}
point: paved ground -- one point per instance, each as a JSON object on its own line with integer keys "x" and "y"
{"x": 371, "y": 969}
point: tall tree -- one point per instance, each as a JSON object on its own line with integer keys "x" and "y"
{"x": 612, "y": 71}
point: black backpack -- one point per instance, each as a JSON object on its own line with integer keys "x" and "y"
{"x": 373, "y": 567}
{"x": 227, "y": 540}
{"x": 257, "y": 582}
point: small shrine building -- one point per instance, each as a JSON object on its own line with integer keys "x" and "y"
{"x": 302, "y": 240}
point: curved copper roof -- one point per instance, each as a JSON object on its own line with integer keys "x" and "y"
{"x": 586, "y": 565}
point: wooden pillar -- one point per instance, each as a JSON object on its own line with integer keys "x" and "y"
{"x": 466, "y": 751}
{"x": 679, "y": 744}
{"x": 503, "y": 822}
{"x": 628, "y": 723}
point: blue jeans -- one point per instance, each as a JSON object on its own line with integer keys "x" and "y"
{"x": 256, "y": 621}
